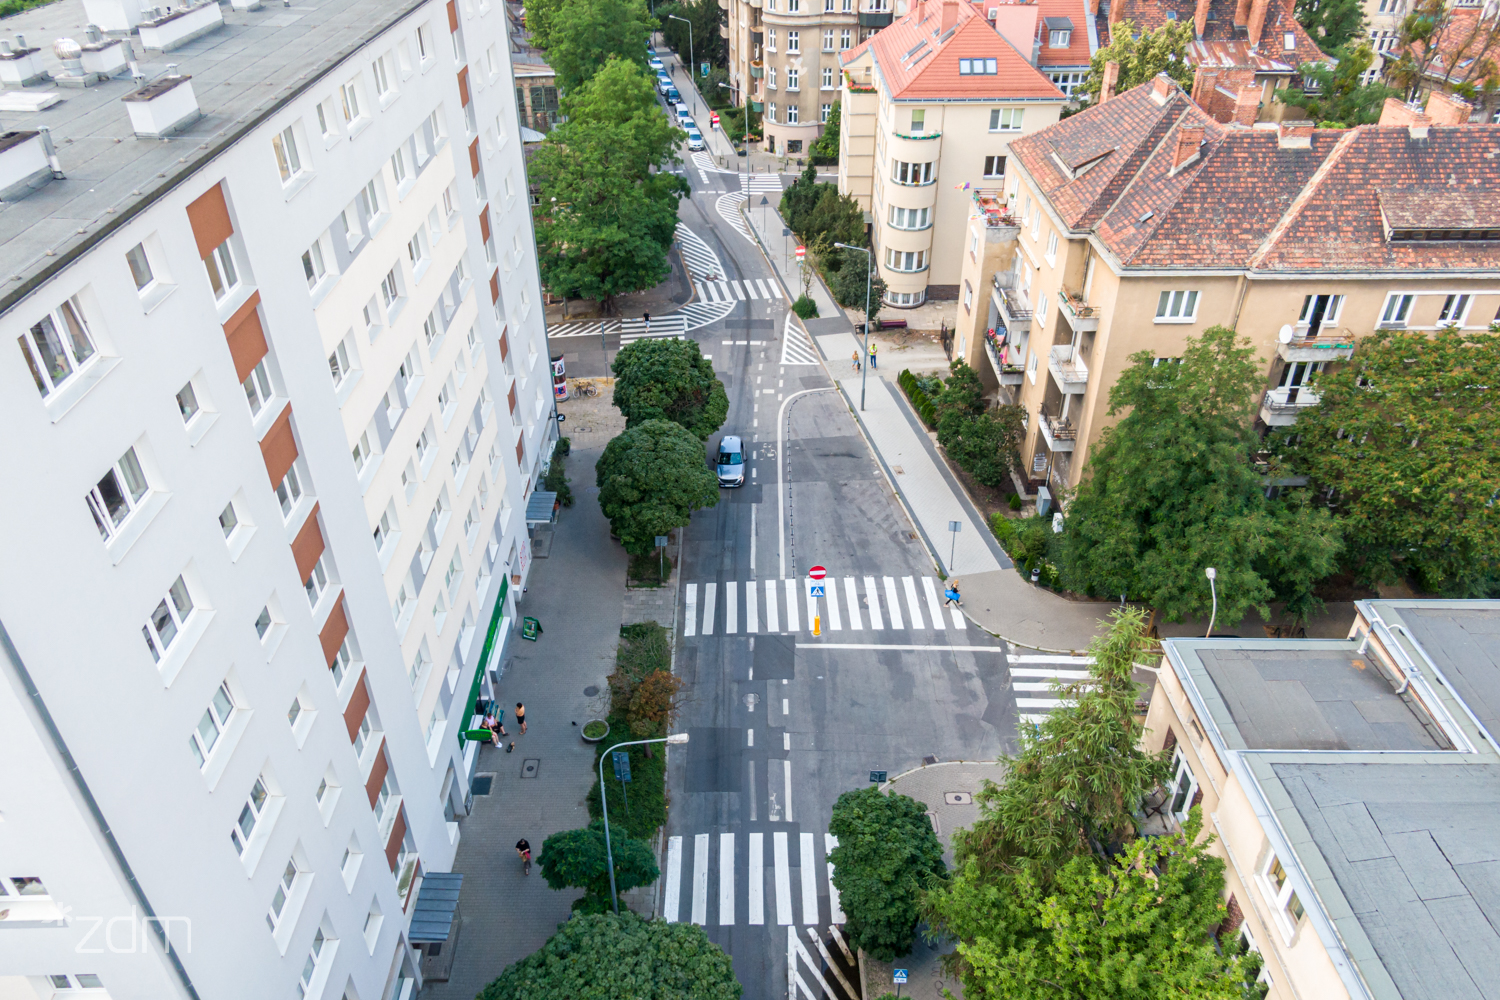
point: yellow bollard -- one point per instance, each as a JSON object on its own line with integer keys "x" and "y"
{"x": 817, "y": 624}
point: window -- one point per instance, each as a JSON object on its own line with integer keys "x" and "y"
{"x": 770, "y": 39}
{"x": 57, "y": 346}
{"x": 793, "y": 112}
{"x": 349, "y": 100}
{"x": 1052, "y": 247}
{"x": 294, "y": 713}
{"x": 338, "y": 364}
{"x": 424, "y": 43}
{"x": 263, "y": 621}
{"x": 828, "y": 81}
{"x": 312, "y": 264}
{"x": 1455, "y": 309}
{"x": 906, "y": 260}
{"x": 793, "y": 41}
{"x": 911, "y": 173}
{"x": 1006, "y": 119}
{"x": 310, "y": 967}
{"x": 793, "y": 6}
{"x": 1041, "y": 309}
{"x": 223, "y": 276}
{"x": 369, "y": 199}
{"x": 382, "y": 82}
{"x": 325, "y": 120}
{"x": 250, "y": 815}
{"x": 844, "y": 39}
{"x": 385, "y": 527}
{"x": 288, "y": 162}
{"x": 257, "y": 387}
{"x": 828, "y": 34}
{"x": 792, "y": 78}
{"x": 994, "y": 166}
{"x": 910, "y": 218}
{"x": 977, "y": 67}
{"x": 289, "y": 491}
{"x": 118, "y": 494}
{"x": 1397, "y": 307}
{"x": 1183, "y": 786}
{"x": 1066, "y": 82}
{"x": 316, "y": 582}
{"x": 1059, "y": 39}
{"x": 140, "y": 267}
{"x": 824, "y": 110}
{"x": 416, "y": 249}
{"x": 771, "y": 80}
{"x": 390, "y": 290}
{"x": 362, "y": 735}
{"x": 212, "y": 725}
{"x": 1289, "y": 41}
{"x": 1177, "y": 307}
{"x": 283, "y": 891}
{"x": 341, "y": 661}
{"x": 918, "y": 121}
{"x": 398, "y": 166}
{"x": 187, "y": 403}
{"x": 167, "y": 620}
{"x": 228, "y": 519}
{"x": 1278, "y": 887}
{"x": 771, "y": 108}
{"x": 905, "y": 298}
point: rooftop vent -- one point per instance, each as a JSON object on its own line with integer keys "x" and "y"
{"x": 163, "y": 107}
{"x": 27, "y": 161}
{"x": 20, "y": 64}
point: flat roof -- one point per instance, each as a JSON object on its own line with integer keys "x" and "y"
{"x": 1463, "y": 638}
{"x": 1313, "y": 699}
{"x": 243, "y": 72}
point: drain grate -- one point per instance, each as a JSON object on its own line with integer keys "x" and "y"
{"x": 529, "y": 767}
{"x": 929, "y": 759}
{"x": 958, "y": 798}
{"x": 483, "y": 783}
{"x": 590, "y": 691}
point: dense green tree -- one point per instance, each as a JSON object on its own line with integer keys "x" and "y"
{"x": 577, "y": 859}
{"x": 651, "y": 478}
{"x": 799, "y": 199}
{"x": 605, "y": 957}
{"x": 707, "y": 45}
{"x": 1407, "y": 436}
{"x": 826, "y": 149}
{"x": 887, "y": 852}
{"x": 624, "y": 94}
{"x": 1075, "y": 783}
{"x": 1335, "y": 96}
{"x": 1141, "y": 59}
{"x": 985, "y": 442}
{"x": 669, "y": 380}
{"x": 539, "y": 17}
{"x": 848, "y": 282}
{"x": 1333, "y": 24}
{"x": 1136, "y": 926}
{"x": 583, "y": 35}
{"x": 1173, "y": 488}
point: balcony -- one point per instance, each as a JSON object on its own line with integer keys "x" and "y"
{"x": 757, "y": 37}
{"x": 1279, "y": 407}
{"x": 723, "y": 4}
{"x": 1068, "y": 369}
{"x": 1058, "y": 432}
{"x": 1082, "y": 317}
{"x": 1015, "y": 307}
{"x": 1327, "y": 345}
{"x": 757, "y": 69}
{"x": 874, "y": 18}
{"x": 995, "y": 347}
{"x": 991, "y": 203}
{"x": 723, "y": 28}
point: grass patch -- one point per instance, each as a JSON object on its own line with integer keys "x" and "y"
{"x": 649, "y": 570}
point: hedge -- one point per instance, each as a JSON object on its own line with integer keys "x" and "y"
{"x": 920, "y": 401}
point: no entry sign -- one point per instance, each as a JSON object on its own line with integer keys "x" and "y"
{"x": 817, "y": 572}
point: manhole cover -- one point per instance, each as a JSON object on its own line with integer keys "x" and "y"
{"x": 958, "y": 798}
{"x": 929, "y": 759}
{"x": 590, "y": 691}
{"x": 483, "y": 783}
{"x": 529, "y": 767}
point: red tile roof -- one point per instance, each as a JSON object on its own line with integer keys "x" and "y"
{"x": 917, "y": 61}
{"x": 1249, "y": 200}
{"x": 1077, "y": 53}
{"x": 1221, "y": 39}
{"x": 1466, "y": 47}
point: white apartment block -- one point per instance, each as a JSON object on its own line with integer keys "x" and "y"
{"x": 276, "y": 399}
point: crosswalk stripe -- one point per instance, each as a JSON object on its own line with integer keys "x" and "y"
{"x": 891, "y": 604}
{"x": 809, "y": 881}
{"x": 791, "y": 606}
{"x": 783, "y": 879}
{"x": 1051, "y": 659}
{"x": 674, "y": 879}
{"x": 690, "y": 600}
{"x": 1041, "y": 702}
{"x": 834, "y": 620}
{"x": 911, "y": 601}
{"x": 708, "y": 608}
{"x": 771, "y": 607}
{"x": 851, "y": 597}
{"x": 752, "y": 614}
{"x": 873, "y": 600}
{"x": 731, "y": 609}
{"x": 700, "y": 879}
{"x": 786, "y": 773}
{"x": 756, "y": 894}
{"x": 958, "y": 618}
{"x": 814, "y": 967}
{"x": 933, "y": 606}
{"x": 726, "y": 879}
{"x": 750, "y": 289}
{"x": 1070, "y": 675}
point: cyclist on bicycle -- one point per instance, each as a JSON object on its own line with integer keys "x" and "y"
{"x": 523, "y": 848}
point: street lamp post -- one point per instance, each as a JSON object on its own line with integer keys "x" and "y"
{"x": 1211, "y": 573}
{"x": 609, "y": 854}
{"x": 691, "y": 63}
{"x": 864, "y": 361}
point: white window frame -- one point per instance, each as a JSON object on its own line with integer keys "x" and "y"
{"x": 259, "y": 392}
{"x": 243, "y": 829}
{"x": 214, "y": 721}
{"x": 1177, "y": 305}
{"x": 317, "y": 582}
{"x": 1007, "y": 119}
{"x": 64, "y": 336}
{"x": 289, "y": 491}
{"x": 223, "y": 271}
{"x": 288, "y": 157}
{"x": 1286, "y": 906}
{"x": 169, "y": 619}
{"x": 1397, "y": 309}
{"x": 313, "y": 267}
{"x": 130, "y": 488}
{"x": 990, "y": 162}
{"x": 285, "y": 886}
{"x": 1455, "y": 310}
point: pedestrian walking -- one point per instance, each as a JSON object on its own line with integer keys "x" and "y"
{"x": 951, "y": 595}
{"x": 646, "y": 317}
{"x": 521, "y": 717}
{"x": 855, "y": 358}
{"x": 873, "y": 365}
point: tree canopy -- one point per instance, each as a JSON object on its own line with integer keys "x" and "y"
{"x": 887, "y": 852}
{"x": 703, "y": 43}
{"x": 605, "y": 957}
{"x": 669, "y": 380}
{"x": 1173, "y": 488}
{"x": 577, "y": 859}
{"x": 1333, "y": 24}
{"x": 651, "y": 478}
{"x": 984, "y": 441}
{"x": 1446, "y": 40}
{"x": 1335, "y": 95}
{"x": 582, "y": 35}
{"x": 1141, "y": 59}
{"x": 621, "y": 93}
{"x": 1407, "y": 436}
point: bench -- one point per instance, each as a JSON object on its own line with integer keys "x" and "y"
{"x": 891, "y": 324}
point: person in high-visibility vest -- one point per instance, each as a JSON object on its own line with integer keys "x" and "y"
{"x": 872, "y": 355}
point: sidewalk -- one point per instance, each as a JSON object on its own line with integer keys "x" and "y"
{"x": 577, "y": 592}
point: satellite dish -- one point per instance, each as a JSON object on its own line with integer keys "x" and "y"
{"x": 1285, "y": 334}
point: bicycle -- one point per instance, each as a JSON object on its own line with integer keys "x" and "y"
{"x": 584, "y": 388}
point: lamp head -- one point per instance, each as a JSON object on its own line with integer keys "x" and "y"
{"x": 1211, "y": 573}
{"x": 677, "y": 738}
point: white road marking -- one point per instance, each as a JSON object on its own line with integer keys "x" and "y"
{"x": 891, "y": 604}
{"x": 674, "y": 880}
{"x": 787, "y": 772}
{"x": 873, "y": 600}
{"x": 783, "y": 878}
{"x": 851, "y": 597}
{"x": 934, "y": 609}
{"x": 791, "y": 605}
{"x": 690, "y": 625}
{"x": 959, "y": 621}
{"x": 750, "y": 737}
{"x": 752, "y": 613}
{"x": 829, "y": 843}
{"x": 911, "y": 601}
{"x": 731, "y": 608}
{"x": 771, "y": 623}
{"x": 904, "y": 647}
{"x": 786, "y": 741}
{"x": 834, "y": 619}
{"x": 755, "y": 895}
{"x": 726, "y": 879}
{"x": 809, "y": 881}
{"x": 813, "y": 966}
{"x": 708, "y": 607}
{"x": 700, "y": 879}
{"x": 1051, "y": 659}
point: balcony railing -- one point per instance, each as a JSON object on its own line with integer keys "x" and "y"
{"x": 1328, "y": 345}
{"x": 875, "y": 18}
{"x": 1067, "y": 368}
{"x": 991, "y": 203}
{"x": 1008, "y": 373}
{"x": 1279, "y": 407}
{"x": 1058, "y": 432}
{"x": 1082, "y": 317}
{"x": 1016, "y": 308}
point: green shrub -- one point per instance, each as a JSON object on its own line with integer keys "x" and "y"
{"x": 805, "y": 307}
{"x": 556, "y": 480}
{"x": 1015, "y": 501}
{"x": 564, "y": 446}
{"x": 1004, "y": 530}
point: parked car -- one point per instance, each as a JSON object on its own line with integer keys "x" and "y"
{"x": 663, "y": 83}
{"x": 695, "y": 140}
{"x": 673, "y": 97}
{"x": 731, "y": 462}
{"x": 686, "y": 122}
{"x": 656, "y": 64}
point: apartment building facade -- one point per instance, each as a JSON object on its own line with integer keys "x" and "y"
{"x": 1141, "y": 222}
{"x": 1348, "y": 785}
{"x": 280, "y": 394}
{"x": 930, "y": 108}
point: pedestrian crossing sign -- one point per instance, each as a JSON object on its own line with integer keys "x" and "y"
{"x": 815, "y": 589}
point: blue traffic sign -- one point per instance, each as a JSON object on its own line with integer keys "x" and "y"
{"x": 816, "y": 590}
{"x": 899, "y": 975}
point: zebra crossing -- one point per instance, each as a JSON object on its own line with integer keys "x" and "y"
{"x": 1035, "y": 679}
{"x": 852, "y": 604}
{"x": 697, "y": 255}
{"x": 796, "y": 346}
{"x": 677, "y": 323}
{"x": 751, "y": 289}
{"x": 741, "y": 868}
{"x": 585, "y": 328}
{"x": 667, "y": 327}
{"x": 728, "y": 207}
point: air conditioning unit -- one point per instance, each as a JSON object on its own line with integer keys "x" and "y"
{"x": 994, "y": 13}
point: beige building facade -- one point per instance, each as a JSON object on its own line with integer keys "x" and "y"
{"x": 1052, "y": 314}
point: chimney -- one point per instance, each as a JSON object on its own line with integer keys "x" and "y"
{"x": 1242, "y": 13}
{"x": 1161, "y": 88}
{"x": 1398, "y": 112}
{"x": 1294, "y": 135}
{"x": 1247, "y": 105}
{"x": 1445, "y": 109}
{"x": 163, "y": 107}
{"x": 950, "y": 16}
{"x": 1203, "y": 85}
{"x": 1200, "y": 18}
{"x": 1093, "y": 8}
{"x": 1189, "y": 138}
{"x": 1111, "y": 75}
{"x": 1257, "y": 20}
{"x": 1116, "y": 11}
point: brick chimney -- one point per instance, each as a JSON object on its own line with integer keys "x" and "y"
{"x": 1200, "y": 17}
{"x": 1294, "y": 135}
{"x": 1189, "y": 137}
{"x": 1397, "y": 112}
{"x": 1257, "y": 21}
{"x": 1111, "y": 76}
{"x": 1242, "y": 13}
{"x": 1161, "y": 88}
{"x": 1247, "y": 105}
{"x": 1093, "y": 8}
{"x": 1116, "y": 11}
{"x": 1204, "y": 81}
{"x": 1445, "y": 109}
{"x": 950, "y": 16}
